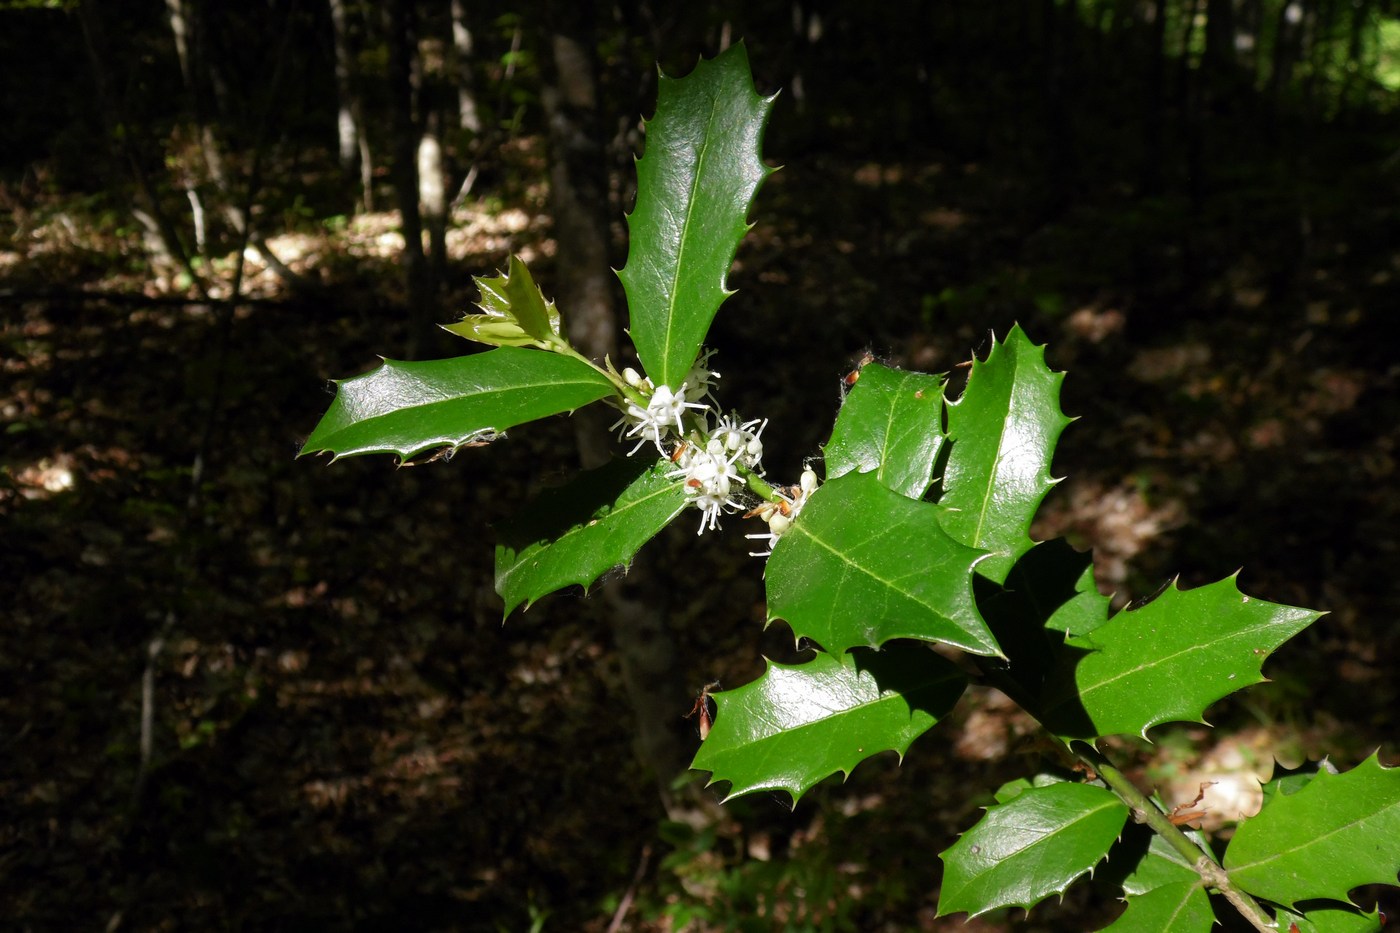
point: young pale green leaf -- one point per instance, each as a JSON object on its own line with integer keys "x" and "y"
{"x": 891, "y": 424}
{"x": 695, "y": 182}
{"x": 1334, "y": 834}
{"x": 577, "y": 532}
{"x": 863, "y": 564}
{"x": 1179, "y": 907}
{"x": 516, "y": 314}
{"x": 797, "y": 724}
{"x": 1166, "y": 661}
{"x": 1023, "y": 851}
{"x": 407, "y": 408}
{"x": 1003, "y": 431}
{"x": 1329, "y": 918}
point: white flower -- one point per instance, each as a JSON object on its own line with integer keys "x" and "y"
{"x": 737, "y": 437}
{"x": 709, "y": 479}
{"x": 656, "y": 421}
{"x": 700, "y": 380}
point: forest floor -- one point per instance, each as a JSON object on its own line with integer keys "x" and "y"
{"x": 346, "y": 734}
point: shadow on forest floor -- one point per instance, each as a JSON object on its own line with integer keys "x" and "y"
{"x": 345, "y": 732}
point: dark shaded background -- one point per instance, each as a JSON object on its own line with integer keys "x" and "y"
{"x": 1193, "y": 202}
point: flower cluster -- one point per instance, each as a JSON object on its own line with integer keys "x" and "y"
{"x": 779, "y": 515}
{"x": 711, "y": 457}
{"x": 710, "y": 479}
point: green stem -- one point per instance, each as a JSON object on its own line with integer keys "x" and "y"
{"x": 759, "y": 486}
{"x": 1199, "y": 857}
{"x": 628, "y": 393}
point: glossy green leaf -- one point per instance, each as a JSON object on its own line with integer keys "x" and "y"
{"x": 891, "y": 424}
{"x": 1023, "y": 851}
{"x": 1003, "y": 431}
{"x": 695, "y": 182}
{"x": 515, "y": 312}
{"x": 1179, "y": 907}
{"x": 1166, "y": 661}
{"x": 797, "y": 724}
{"x": 406, "y": 408}
{"x": 1336, "y": 833}
{"x": 1328, "y": 918}
{"x": 863, "y": 564}
{"x": 577, "y": 532}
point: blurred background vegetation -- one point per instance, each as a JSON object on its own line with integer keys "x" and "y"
{"x": 240, "y": 691}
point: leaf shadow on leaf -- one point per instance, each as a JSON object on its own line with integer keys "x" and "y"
{"x": 1125, "y": 857}
{"x": 940, "y": 465}
{"x": 1042, "y": 599}
{"x": 1318, "y": 914}
{"x": 577, "y": 502}
{"x": 904, "y": 666}
{"x": 1141, "y": 860}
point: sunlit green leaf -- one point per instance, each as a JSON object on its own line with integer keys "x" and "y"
{"x": 891, "y": 423}
{"x": 1166, "y": 661}
{"x": 1023, "y": 851}
{"x": 695, "y": 183}
{"x": 406, "y": 408}
{"x": 797, "y": 724}
{"x": 1003, "y": 431}
{"x": 1337, "y": 832}
{"x": 1179, "y": 907}
{"x": 863, "y": 564}
{"x": 577, "y": 532}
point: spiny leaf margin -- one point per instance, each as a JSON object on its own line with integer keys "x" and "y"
{"x": 407, "y": 408}
{"x": 1033, "y": 846}
{"x": 1336, "y": 833}
{"x": 1003, "y": 431}
{"x": 862, "y": 565}
{"x": 799, "y": 723}
{"x": 696, "y": 181}
{"x": 1165, "y": 661}
{"x": 891, "y": 423}
{"x": 577, "y": 532}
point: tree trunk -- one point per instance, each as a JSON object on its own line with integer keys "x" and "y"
{"x": 404, "y": 171}
{"x": 1154, "y": 81}
{"x": 350, "y": 125}
{"x": 159, "y": 226}
{"x": 432, "y": 196}
{"x": 468, "y": 114}
{"x": 585, "y": 294}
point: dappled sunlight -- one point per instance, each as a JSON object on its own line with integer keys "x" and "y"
{"x": 44, "y": 478}
{"x": 343, "y": 724}
{"x": 1117, "y": 521}
{"x": 993, "y": 728}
